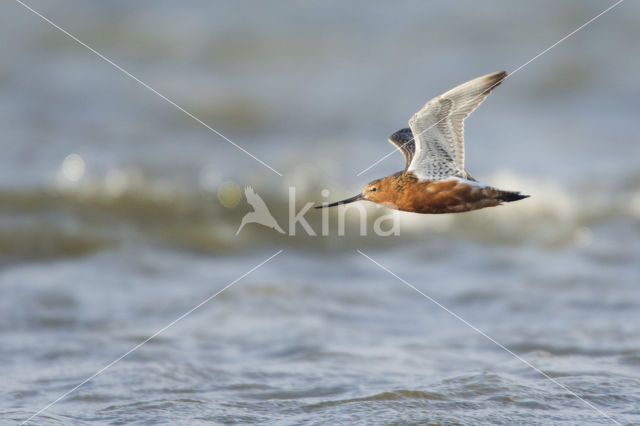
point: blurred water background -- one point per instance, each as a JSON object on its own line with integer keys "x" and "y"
{"x": 119, "y": 213}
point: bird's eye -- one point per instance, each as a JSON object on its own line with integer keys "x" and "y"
{"x": 374, "y": 189}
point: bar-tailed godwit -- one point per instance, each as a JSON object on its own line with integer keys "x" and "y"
{"x": 434, "y": 179}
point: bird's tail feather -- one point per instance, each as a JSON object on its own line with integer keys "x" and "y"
{"x": 508, "y": 196}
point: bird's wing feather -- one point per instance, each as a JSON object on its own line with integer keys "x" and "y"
{"x": 438, "y": 128}
{"x": 254, "y": 199}
{"x": 403, "y": 140}
{"x": 249, "y": 192}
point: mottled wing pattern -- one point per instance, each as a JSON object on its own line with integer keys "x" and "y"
{"x": 438, "y": 128}
{"x": 403, "y": 140}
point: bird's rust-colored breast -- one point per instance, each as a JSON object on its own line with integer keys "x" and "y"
{"x": 447, "y": 196}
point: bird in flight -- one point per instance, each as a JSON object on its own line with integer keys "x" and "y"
{"x": 434, "y": 179}
{"x": 260, "y": 213}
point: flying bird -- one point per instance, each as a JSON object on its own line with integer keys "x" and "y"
{"x": 260, "y": 213}
{"x": 434, "y": 179}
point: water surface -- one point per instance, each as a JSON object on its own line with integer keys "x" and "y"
{"x": 95, "y": 261}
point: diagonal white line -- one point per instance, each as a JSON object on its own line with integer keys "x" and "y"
{"x": 566, "y": 37}
{"x": 500, "y": 81}
{"x": 500, "y": 345}
{"x": 136, "y": 79}
{"x": 163, "y": 329}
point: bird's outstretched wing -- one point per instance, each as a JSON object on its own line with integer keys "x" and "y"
{"x": 438, "y": 128}
{"x": 254, "y": 199}
{"x": 403, "y": 140}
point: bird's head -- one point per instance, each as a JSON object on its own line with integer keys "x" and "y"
{"x": 376, "y": 191}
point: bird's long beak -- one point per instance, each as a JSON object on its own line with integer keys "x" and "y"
{"x": 347, "y": 201}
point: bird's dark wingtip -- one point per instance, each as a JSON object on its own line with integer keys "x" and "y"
{"x": 497, "y": 78}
